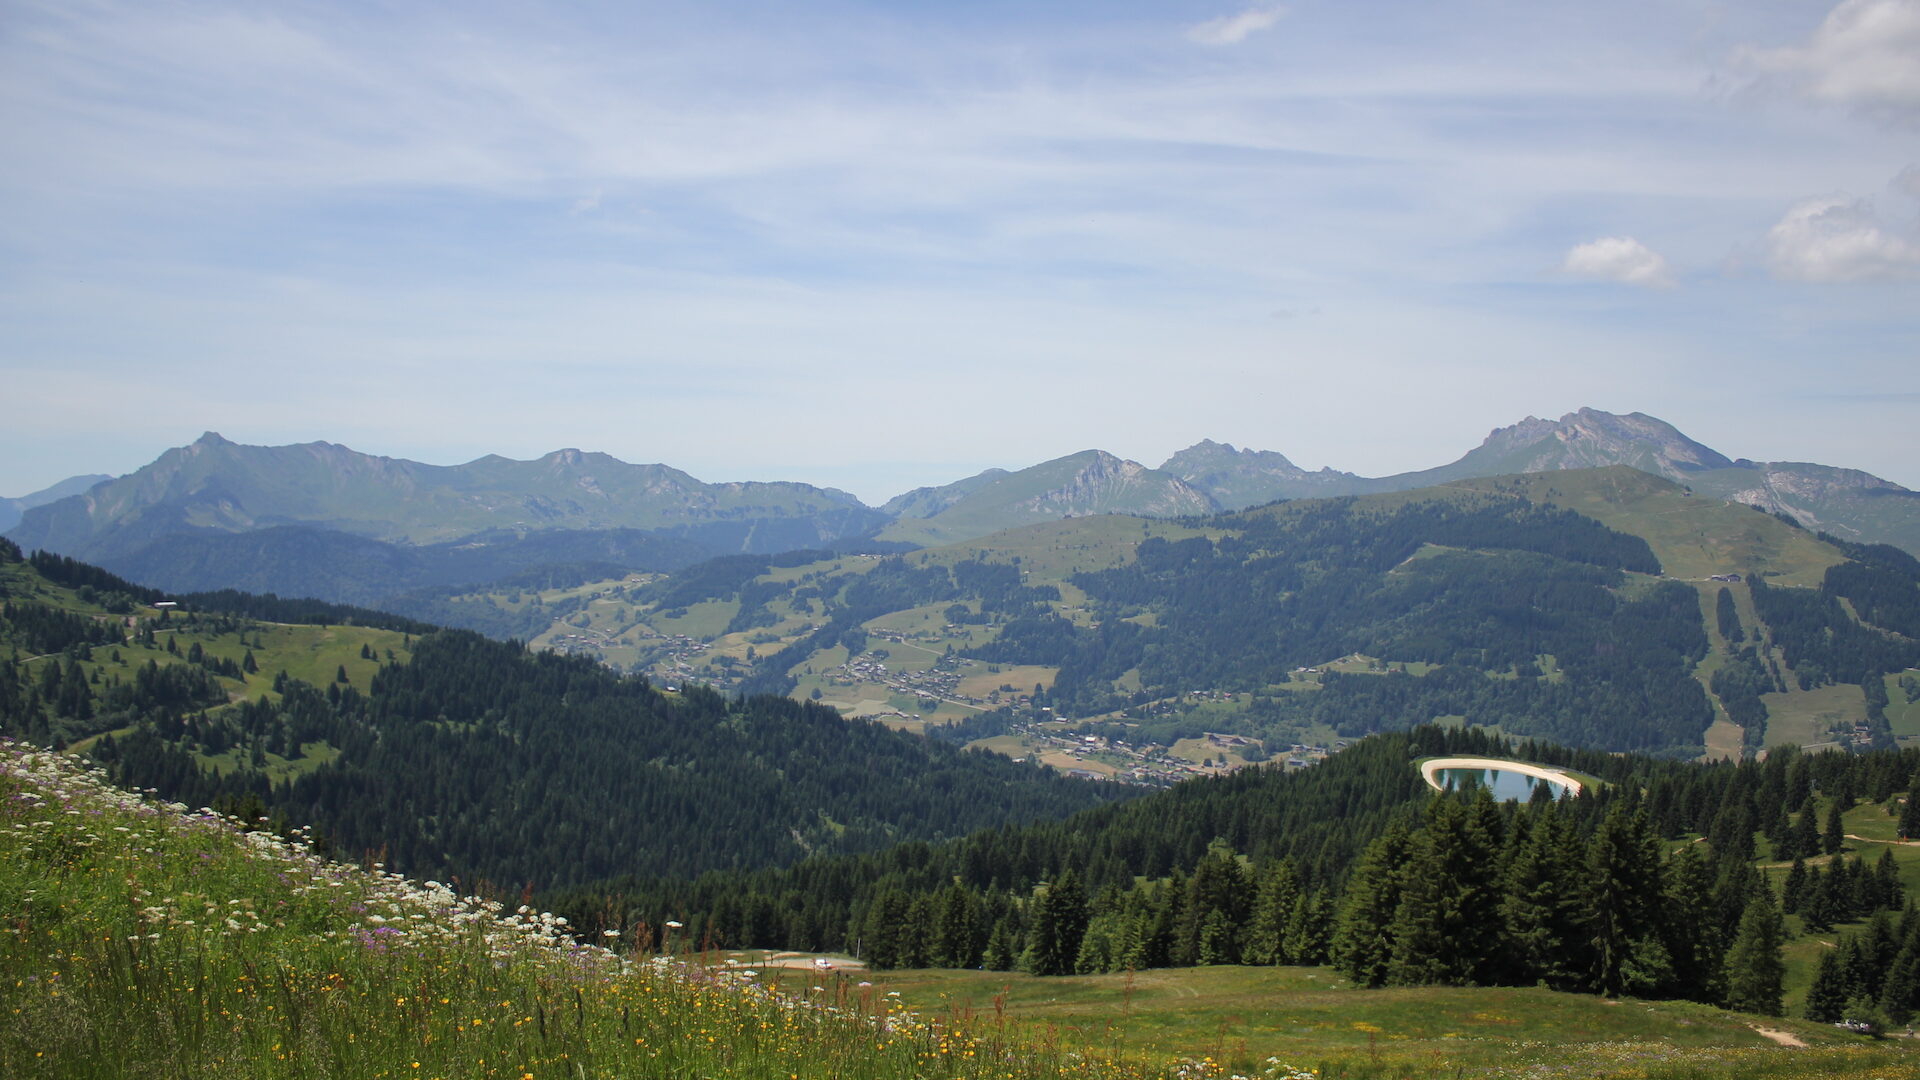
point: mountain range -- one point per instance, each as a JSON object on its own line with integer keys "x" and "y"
{"x": 1845, "y": 502}
{"x": 322, "y": 519}
{"x": 11, "y": 509}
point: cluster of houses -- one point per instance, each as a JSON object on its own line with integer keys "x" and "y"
{"x": 941, "y": 682}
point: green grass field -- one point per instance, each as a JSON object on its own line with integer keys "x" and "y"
{"x": 1693, "y": 536}
{"x": 1309, "y": 1018}
{"x": 1804, "y": 717}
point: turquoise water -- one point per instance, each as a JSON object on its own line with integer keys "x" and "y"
{"x": 1503, "y": 783}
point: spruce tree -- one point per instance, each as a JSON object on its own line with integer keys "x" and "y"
{"x": 1000, "y": 947}
{"x": 1900, "y": 995}
{"x": 1622, "y": 882}
{"x": 1539, "y": 904}
{"x": 954, "y": 941}
{"x": 1817, "y": 902}
{"x": 1266, "y": 941}
{"x": 1833, "y": 837}
{"x": 1827, "y": 997}
{"x": 1805, "y": 837}
{"x": 1754, "y": 968}
{"x": 1910, "y": 813}
{"x": 1886, "y": 874}
{"x": 1307, "y": 925}
{"x": 1362, "y": 939}
{"x": 1793, "y": 891}
{"x": 1695, "y": 946}
{"x": 1059, "y": 921}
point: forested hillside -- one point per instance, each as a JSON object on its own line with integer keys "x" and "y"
{"x": 1581, "y": 606}
{"x": 459, "y": 756}
{"x": 1652, "y": 882}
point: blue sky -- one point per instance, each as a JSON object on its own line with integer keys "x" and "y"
{"x": 889, "y": 244}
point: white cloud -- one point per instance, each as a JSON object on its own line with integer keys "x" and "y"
{"x": 1619, "y": 258}
{"x": 1234, "y": 29}
{"x": 1832, "y": 239}
{"x": 1866, "y": 53}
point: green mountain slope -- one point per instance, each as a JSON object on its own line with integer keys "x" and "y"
{"x": 457, "y": 755}
{"x": 1579, "y": 604}
{"x": 1078, "y": 485}
{"x": 1693, "y": 537}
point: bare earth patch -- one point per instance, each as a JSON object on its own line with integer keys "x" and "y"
{"x": 1781, "y": 1037}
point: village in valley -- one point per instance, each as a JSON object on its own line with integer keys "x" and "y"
{"x": 908, "y": 676}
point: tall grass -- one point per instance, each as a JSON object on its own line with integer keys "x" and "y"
{"x": 144, "y": 940}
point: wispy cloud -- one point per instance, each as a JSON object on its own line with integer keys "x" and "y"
{"x": 1619, "y": 258}
{"x": 964, "y": 198}
{"x": 1236, "y": 28}
{"x": 1834, "y": 239}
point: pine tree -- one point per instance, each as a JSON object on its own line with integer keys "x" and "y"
{"x": 1217, "y": 885}
{"x": 1910, "y": 813}
{"x": 1000, "y": 947}
{"x": 1754, "y": 968}
{"x": 1362, "y": 942}
{"x": 1695, "y": 946}
{"x": 1875, "y": 950}
{"x": 1272, "y": 906}
{"x": 954, "y": 942}
{"x": 1440, "y": 932}
{"x": 1621, "y": 886}
{"x": 1833, "y": 837}
{"x": 1827, "y": 997}
{"x": 1805, "y": 837}
{"x": 1886, "y": 875}
{"x": 1900, "y": 995}
{"x": 1817, "y": 901}
{"x": 1539, "y": 905}
{"x": 1059, "y": 921}
{"x": 1306, "y": 941}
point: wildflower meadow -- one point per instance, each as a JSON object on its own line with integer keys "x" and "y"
{"x": 143, "y": 939}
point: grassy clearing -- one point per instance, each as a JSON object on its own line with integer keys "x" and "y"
{"x": 1902, "y": 715}
{"x": 1805, "y": 717}
{"x": 1051, "y": 551}
{"x": 1022, "y": 677}
{"x": 1693, "y": 536}
{"x": 1240, "y": 1017}
{"x": 141, "y": 941}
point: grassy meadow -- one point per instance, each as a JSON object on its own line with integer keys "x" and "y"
{"x": 1244, "y": 1019}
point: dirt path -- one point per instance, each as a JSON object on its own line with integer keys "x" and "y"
{"x": 1867, "y": 840}
{"x": 1781, "y": 1037}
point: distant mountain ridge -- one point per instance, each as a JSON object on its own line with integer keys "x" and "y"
{"x": 220, "y": 486}
{"x": 358, "y": 528}
{"x": 1078, "y": 485}
{"x": 12, "y": 509}
{"x": 1848, "y": 503}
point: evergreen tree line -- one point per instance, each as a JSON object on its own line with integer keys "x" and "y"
{"x": 1872, "y": 977}
{"x": 1260, "y": 867}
